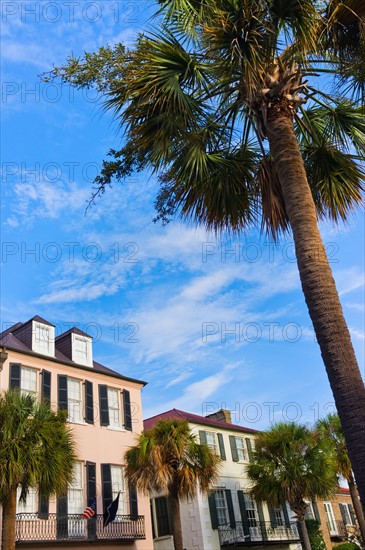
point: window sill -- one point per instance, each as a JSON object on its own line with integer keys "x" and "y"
{"x": 79, "y": 422}
{"x": 115, "y": 429}
{"x": 163, "y": 537}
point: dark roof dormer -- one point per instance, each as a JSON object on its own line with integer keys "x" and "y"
{"x": 37, "y": 334}
{"x": 76, "y": 345}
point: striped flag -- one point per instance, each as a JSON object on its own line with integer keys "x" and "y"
{"x": 90, "y": 510}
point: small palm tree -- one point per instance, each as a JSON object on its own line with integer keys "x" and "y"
{"x": 291, "y": 464}
{"x": 167, "y": 459}
{"x": 330, "y": 427}
{"x": 36, "y": 450}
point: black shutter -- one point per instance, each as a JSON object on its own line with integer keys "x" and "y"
{"x": 273, "y": 520}
{"x": 202, "y": 437}
{"x": 103, "y": 405}
{"x": 62, "y": 519}
{"x": 222, "y": 450}
{"x": 107, "y": 492}
{"x": 262, "y": 521}
{"x": 213, "y": 511}
{"x": 62, "y": 392}
{"x": 14, "y": 375}
{"x": 249, "y": 448}
{"x": 232, "y": 441}
{"x": 133, "y": 502}
{"x": 43, "y": 506}
{"x": 89, "y": 402}
{"x": 46, "y": 386}
{"x": 232, "y": 519}
{"x": 244, "y": 516}
{"x": 127, "y": 410}
{"x": 91, "y": 496}
{"x": 316, "y": 512}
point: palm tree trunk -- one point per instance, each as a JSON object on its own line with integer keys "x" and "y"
{"x": 357, "y": 506}
{"x": 176, "y": 519}
{"x": 304, "y": 533}
{"x": 9, "y": 519}
{"x": 319, "y": 288}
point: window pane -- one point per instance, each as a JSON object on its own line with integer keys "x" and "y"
{"x": 114, "y": 408}
{"x": 118, "y": 485}
{"x": 220, "y": 502}
{"x": 29, "y": 506}
{"x": 211, "y": 441}
{"x": 240, "y": 448}
{"x": 28, "y": 379}
{"x": 74, "y": 400}
{"x": 76, "y": 504}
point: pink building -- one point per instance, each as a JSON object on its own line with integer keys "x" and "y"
{"x": 105, "y": 411}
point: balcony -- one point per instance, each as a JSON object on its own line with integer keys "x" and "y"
{"x": 55, "y": 528}
{"x": 257, "y": 533}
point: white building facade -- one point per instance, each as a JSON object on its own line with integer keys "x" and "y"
{"x": 228, "y": 516}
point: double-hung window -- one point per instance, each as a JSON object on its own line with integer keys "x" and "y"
{"x": 347, "y": 513}
{"x": 330, "y": 518}
{"x": 110, "y": 408}
{"x": 237, "y": 448}
{"x": 221, "y": 506}
{"x": 74, "y": 400}
{"x": 115, "y": 420}
{"x": 24, "y": 378}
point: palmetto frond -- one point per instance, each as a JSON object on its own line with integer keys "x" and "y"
{"x": 36, "y": 446}
{"x": 168, "y": 456}
{"x": 290, "y": 464}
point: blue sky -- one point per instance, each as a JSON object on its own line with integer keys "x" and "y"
{"x": 206, "y": 321}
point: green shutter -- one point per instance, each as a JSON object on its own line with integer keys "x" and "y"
{"x": 202, "y": 437}
{"x": 43, "y": 506}
{"x": 286, "y": 515}
{"x": 222, "y": 450}
{"x": 213, "y": 511}
{"x": 133, "y": 502}
{"x": 103, "y": 405}
{"x": 272, "y": 515}
{"x": 232, "y": 441}
{"x": 261, "y": 520}
{"x": 249, "y": 448}
{"x": 127, "y": 410}
{"x": 62, "y": 519}
{"x": 106, "y": 480}
{"x": 14, "y": 381}
{"x": 46, "y": 386}
{"x": 343, "y": 513}
{"x": 91, "y": 495}
{"x": 244, "y": 516}
{"x": 353, "y": 518}
{"x": 232, "y": 519}
{"x": 62, "y": 392}
{"x": 316, "y": 512}
{"x": 89, "y": 402}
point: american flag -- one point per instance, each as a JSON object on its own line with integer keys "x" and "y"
{"x": 90, "y": 510}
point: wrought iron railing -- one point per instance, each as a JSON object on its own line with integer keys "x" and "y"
{"x": 262, "y": 532}
{"x": 53, "y": 527}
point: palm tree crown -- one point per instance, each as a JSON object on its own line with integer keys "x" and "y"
{"x": 167, "y": 459}
{"x": 36, "y": 450}
{"x": 291, "y": 464}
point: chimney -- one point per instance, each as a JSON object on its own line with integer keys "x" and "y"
{"x": 223, "y": 415}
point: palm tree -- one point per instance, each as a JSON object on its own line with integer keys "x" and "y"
{"x": 168, "y": 459}
{"x": 291, "y": 464}
{"x": 227, "y": 104}
{"x": 36, "y": 450}
{"x": 330, "y": 427}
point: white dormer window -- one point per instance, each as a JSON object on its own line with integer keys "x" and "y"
{"x": 43, "y": 339}
{"x": 82, "y": 350}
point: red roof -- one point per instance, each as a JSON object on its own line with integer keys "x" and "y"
{"x": 343, "y": 490}
{"x": 175, "y": 413}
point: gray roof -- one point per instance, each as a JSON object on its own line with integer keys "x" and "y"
{"x": 12, "y": 342}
